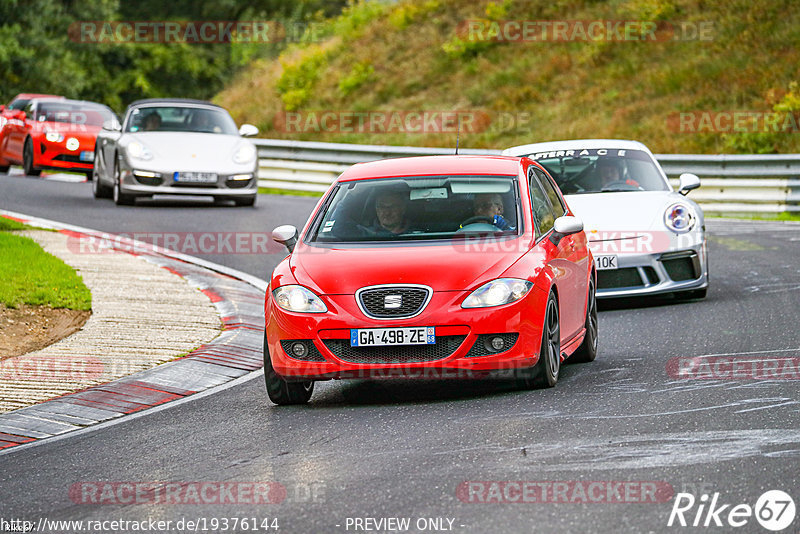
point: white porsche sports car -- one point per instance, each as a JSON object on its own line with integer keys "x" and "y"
{"x": 646, "y": 238}
{"x": 174, "y": 146}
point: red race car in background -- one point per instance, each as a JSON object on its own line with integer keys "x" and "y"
{"x": 9, "y": 112}
{"x": 53, "y": 133}
{"x": 431, "y": 267}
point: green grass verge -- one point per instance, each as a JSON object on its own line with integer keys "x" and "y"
{"x": 32, "y": 276}
{"x": 276, "y": 191}
{"x": 783, "y": 216}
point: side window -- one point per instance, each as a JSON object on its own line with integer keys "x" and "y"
{"x": 555, "y": 200}
{"x": 540, "y": 204}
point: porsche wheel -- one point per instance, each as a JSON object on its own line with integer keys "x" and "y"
{"x": 120, "y": 199}
{"x": 98, "y": 189}
{"x": 27, "y": 159}
{"x": 283, "y": 392}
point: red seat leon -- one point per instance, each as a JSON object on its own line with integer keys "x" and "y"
{"x": 431, "y": 267}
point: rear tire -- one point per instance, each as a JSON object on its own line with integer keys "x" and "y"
{"x": 27, "y": 159}
{"x": 280, "y": 391}
{"x": 587, "y": 352}
{"x": 545, "y": 373}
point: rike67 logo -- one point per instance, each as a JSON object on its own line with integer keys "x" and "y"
{"x": 774, "y": 510}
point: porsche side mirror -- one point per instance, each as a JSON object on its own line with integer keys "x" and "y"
{"x": 688, "y": 181}
{"x": 286, "y": 235}
{"x": 112, "y": 126}
{"x": 248, "y": 130}
{"x": 564, "y": 226}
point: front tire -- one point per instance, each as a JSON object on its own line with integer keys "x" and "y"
{"x": 587, "y": 352}
{"x": 247, "y": 201}
{"x": 98, "y": 189}
{"x": 120, "y": 199}
{"x": 283, "y": 392}
{"x": 545, "y": 373}
{"x": 27, "y": 159}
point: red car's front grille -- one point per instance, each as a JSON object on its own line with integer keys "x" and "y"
{"x": 408, "y": 301}
{"x": 444, "y": 347}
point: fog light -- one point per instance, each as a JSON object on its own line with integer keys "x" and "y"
{"x": 498, "y": 343}
{"x": 299, "y": 349}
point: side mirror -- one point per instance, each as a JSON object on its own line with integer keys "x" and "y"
{"x": 286, "y": 235}
{"x": 20, "y": 115}
{"x": 564, "y": 226}
{"x": 688, "y": 182}
{"x": 112, "y": 126}
{"x": 2, "y": 108}
{"x": 248, "y": 130}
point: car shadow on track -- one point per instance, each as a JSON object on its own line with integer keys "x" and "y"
{"x": 644, "y": 302}
{"x": 419, "y": 391}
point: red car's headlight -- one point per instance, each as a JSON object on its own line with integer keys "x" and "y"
{"x": 296, "y": 298}
{"x": 497, "y": 292}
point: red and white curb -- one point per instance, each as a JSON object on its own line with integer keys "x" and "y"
{"x": 234, "y": 356}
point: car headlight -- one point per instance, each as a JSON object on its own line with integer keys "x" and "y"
{"x": 298, "y": 299}
{"x": 245, "y": 153}
{"x": 679, "y": 218}
{"x": 54, "y": 137}
{"x": 138, "y": 151}
{"x": 497, "y": 292}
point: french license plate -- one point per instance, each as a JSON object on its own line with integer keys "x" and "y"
{"x": 375, "y": 337}
{"x": 87, "y": 155}
{"x": 195, "y": 177}
{"x": 606, "y": 263}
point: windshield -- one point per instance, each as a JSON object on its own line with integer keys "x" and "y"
{"x": 180, "y": 119}
{"x": 419, "y": 208}
{"x": 601, "y": 170}
{"x": 77, "y": 114}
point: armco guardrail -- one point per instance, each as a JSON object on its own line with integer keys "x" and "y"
{"x": 730, "y": 183}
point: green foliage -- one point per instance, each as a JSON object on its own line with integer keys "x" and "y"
{"x": 298, "y": 79}
{"x": 408, "y": 13}
{"x": 359, "y": 75}
{"x": 766, "y": 137}
{"x": 462, "y": 46}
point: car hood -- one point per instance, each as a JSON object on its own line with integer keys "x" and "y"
{"x": 189, "y": 151}
{"x": 451, "y": 267}
{"x": 610, "y": 218}
{"x": 625, "y": 211}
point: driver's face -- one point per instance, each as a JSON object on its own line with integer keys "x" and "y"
{"x": 609, "y": 174}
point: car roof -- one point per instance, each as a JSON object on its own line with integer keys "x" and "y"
{"x": 433, "y": 166}
{"x": 30, "y": 96}
{"x": 179, "y": 101}
{"x": 63, "y": 100}
{"x": 576, "y": 144}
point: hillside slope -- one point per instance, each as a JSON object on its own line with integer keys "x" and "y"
{"x": 720, "y": 57}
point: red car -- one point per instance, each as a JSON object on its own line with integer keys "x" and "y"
{"x": 9, "y": 112}
{"x": 53, "y": 133}
{"x": 431, "y": 267}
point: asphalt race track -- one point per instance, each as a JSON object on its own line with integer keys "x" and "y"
{"x": 432, "y": 450}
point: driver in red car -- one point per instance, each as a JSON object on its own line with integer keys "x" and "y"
{"x": 390, "y": 208}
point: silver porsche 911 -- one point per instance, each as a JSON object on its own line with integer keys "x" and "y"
{"x": 646, "y": 238}
{"x": 175, "y": 147}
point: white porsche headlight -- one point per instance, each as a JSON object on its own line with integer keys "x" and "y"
{"x": 680, "y": 218}
{"x": 497, "y": 292}
{"x": 298, "y": 299}
{"x": 137, "y": 150}
{"x": 54, "y": 137}
{"x": 245, "y": 153}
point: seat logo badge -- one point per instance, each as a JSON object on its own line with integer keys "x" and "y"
{"x": 392, "y": 302}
